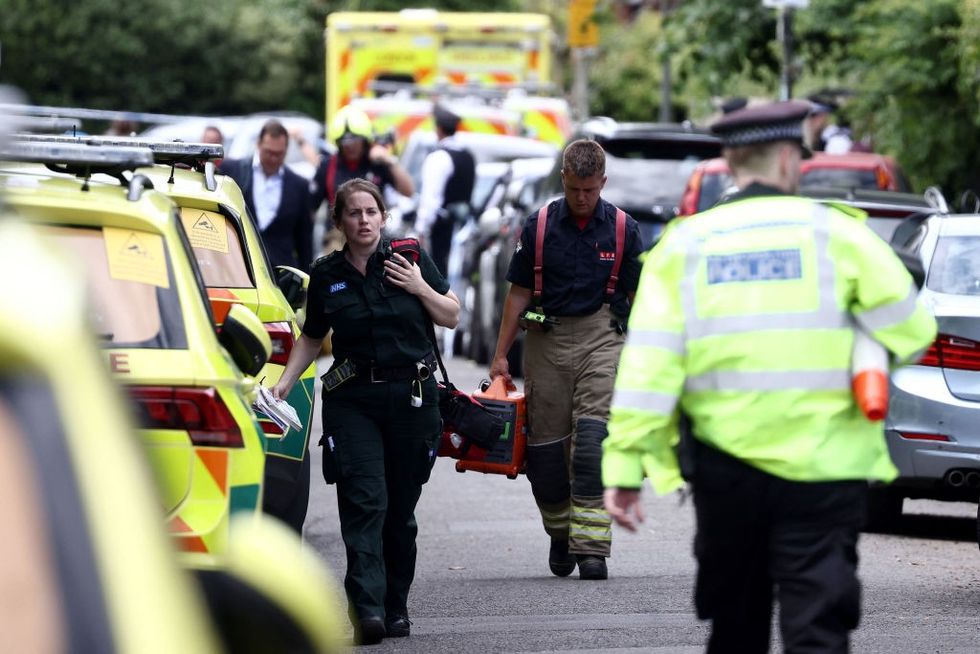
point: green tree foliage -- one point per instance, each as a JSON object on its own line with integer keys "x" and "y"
{"x": 913, "y": 68}
{"x": 625, "y": 80}
{"x": 215, "y": 57}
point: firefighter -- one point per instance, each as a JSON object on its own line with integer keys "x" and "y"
{"x": 358, "y": 156}
{"x": 742, "y": 331}
{"x": 575, "y": 310}
{"x": 380, "y": 406}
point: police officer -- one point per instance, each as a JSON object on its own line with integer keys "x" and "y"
{"x": 380, "y": 407}
{"x": 358, "y": 156}
{"x": 744, "y": 321}
{"x": 448, "y": 176}
{"x": 589, "y": 268}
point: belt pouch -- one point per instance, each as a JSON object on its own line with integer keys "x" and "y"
{"x": 338, "y": 375}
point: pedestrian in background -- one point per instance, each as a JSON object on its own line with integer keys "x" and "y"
{"x": 278, "y": 198}
{"x": 744, "y": 323}
{"x": 380, "y": 408}
{"x": 448, "y": 176}
{"x": 571, "y": 367}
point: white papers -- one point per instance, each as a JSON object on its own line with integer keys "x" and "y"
{"x": 279, "y": 411}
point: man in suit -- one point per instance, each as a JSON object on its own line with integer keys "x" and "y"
{"x": 278, "y": 198}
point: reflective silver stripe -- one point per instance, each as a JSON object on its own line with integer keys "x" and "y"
{"x": 644, "y": 401}
{"x": 770, "y": 380}
{"x": 827, "y": 316}
{"x": 672, "y": 341}
{"x": 888, "y": 315}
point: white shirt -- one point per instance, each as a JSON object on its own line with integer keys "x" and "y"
{"x": 436, "y": 171}
{"x": 266, "y": 193}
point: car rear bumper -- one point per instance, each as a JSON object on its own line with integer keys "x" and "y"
{"x": 922, "y": 404}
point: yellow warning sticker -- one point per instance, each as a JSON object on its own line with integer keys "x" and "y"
{"x": 136, "y": 256}
{"x": 205, "y": 229}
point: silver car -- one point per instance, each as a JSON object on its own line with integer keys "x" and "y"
{"x": 933, "y": 423}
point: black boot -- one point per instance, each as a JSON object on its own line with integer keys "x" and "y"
{"x": 370, "y": 630}
{"x": 398, "y": 625}
{"x": 559, "y": 560}
{"x": 591, "y": 567}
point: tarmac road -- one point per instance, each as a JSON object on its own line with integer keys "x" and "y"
{"x": 483, "y": 585}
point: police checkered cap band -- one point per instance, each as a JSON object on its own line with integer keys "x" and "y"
{"x": 764, "y": 134}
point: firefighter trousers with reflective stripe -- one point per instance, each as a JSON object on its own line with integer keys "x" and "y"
{"x": 570, "y": 372}
{"x": 760, "y": 538}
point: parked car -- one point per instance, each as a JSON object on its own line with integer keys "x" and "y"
{"x": 711, "y": 179}
{"x": 647, "y": 166}
{"x": 935, "y": 404}
{"x": 191, "y": 389}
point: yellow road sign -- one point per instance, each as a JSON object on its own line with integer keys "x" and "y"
{"x": 582, "y": 29}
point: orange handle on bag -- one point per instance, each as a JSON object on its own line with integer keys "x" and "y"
{"x": 498, "y": 389}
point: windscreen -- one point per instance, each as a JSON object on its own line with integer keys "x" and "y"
{"x": 955, "y": 266}
{"x": 646, "y": 182}
{"x": 217, "y": 247}
{"x": 134, "y": 299}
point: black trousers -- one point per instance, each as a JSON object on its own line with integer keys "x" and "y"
{"x": 440, "y": 241}
{"x": 760, "y": 537}
{"x": 379, "y": 450}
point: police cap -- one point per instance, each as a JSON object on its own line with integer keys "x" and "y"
{"x": 776, "y": 121}
{"x": 446, "y": 120}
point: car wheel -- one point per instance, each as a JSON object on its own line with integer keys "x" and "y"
{"x": 884, "y": 509}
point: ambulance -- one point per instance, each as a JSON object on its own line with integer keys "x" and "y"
{"x": 394, "y": 64}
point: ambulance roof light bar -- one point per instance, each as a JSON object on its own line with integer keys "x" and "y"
{"x": 84, "y": 160}
{"x": 76, "y": 153}
{"x": 163, "y": 151}
{"x": 386, "y": 86}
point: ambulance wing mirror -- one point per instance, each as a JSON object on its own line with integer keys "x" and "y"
{"x": 293, "y": 284}
{"x": 913, "y": 264}
{"x": 245, "y": 338}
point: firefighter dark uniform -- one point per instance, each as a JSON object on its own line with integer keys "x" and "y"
{"x": 744, "y": 321}
{"x": 333, "y": 171}
{"x": 570, "y": 370}
{"x": 380, "y": 421}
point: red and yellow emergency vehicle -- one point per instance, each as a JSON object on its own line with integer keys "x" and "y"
{"x": 384, "y": 62}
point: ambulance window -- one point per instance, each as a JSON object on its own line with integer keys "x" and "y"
{"x": 132, "y": 293}
{"x": 218, "y": 248}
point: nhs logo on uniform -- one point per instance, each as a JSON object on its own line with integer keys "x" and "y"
{"x": 761, "y": 266}
{"x": 339, "y": 286}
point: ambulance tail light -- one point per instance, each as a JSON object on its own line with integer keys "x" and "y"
{"x": 952, "y": 352}
{"x": 199, "y": 411}
{"x": 282, "y": 341}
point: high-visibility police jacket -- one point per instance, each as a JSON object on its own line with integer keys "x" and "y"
{"x": 744, "y": 320}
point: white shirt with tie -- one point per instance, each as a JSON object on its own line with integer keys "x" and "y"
{"x": 266, "y": 193}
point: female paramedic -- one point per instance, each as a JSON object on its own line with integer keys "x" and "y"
{"x": 380, "y": 408}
